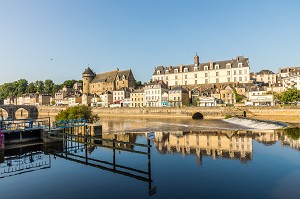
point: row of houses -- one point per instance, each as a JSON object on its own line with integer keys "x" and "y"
{"x": 200, "y": 84}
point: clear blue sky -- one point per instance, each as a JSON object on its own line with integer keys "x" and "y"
{"x": 142, "y": 34}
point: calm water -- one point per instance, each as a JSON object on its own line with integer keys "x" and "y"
{"x": 188, "y": 159}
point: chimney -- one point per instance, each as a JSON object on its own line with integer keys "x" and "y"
{"x": 180, "y": 68}
{"x": 211, "y": 65}
{"x": 196, "y": 60}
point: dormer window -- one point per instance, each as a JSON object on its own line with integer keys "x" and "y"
{"x": 240, "y": 65}
{"x": 228, "y": 65}
{"x": 217, "y": 66}
{"x": 167, "y": 71}
{"x": 195, "y": 68}
{"x": 205, "y": 67}
{"x": 158, "y": 72}
{"x": 185, "y": 70}
{"x": 176, "y": 71}
{"x": 123, "y": 77}
{"x": 117, "y": 78}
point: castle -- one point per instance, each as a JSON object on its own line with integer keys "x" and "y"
{"x": 108, "y": 81}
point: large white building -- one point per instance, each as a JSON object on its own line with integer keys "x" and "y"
{"x": 234, "y": 70}
{"x": 153, "y": 93}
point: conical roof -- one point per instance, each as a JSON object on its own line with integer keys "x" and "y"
{"x": 88, "y": 71}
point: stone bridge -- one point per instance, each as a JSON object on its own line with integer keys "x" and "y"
{"x": 12, "y": 109}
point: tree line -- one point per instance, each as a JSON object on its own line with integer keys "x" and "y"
{"x": 20, "y": 87}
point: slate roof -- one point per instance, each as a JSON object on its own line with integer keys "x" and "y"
{"x": 105, "y": 77}
{"x": 126, "y": 73}
{"x": 88, "y": 71}
{"x": 265, "y": 72}
{"x": 200, "y": 67}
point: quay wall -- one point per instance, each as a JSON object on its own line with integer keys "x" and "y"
{"x": 207, "y": 112}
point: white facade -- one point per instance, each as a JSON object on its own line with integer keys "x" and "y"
{"x": 207, "y": 101}
{"x": 259, "y": 98}
{"x": 236, "y": 70}
{"x": 153, "y": 94}
{"x": 291, "y": 82}
{"x": 106, "y": 98}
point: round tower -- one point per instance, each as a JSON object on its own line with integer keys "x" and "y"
{"x": 87, "y": 77}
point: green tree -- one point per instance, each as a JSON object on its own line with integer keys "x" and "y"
{"x": 290, "y": 95}
{"x": 77, "y": 112}
{"x": 238, "y": 97}
{"x": 48, "y": 86}
{"x": 39, "y": 86}
{"x": 21, "y": 86}
{"x": 31, "y": 88}
{"x": 69, "y": 83}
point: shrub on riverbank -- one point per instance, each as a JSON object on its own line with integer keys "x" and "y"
{"x": 77, "y": 112}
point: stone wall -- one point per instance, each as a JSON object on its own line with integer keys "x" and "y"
{"x": 208, "y": 112}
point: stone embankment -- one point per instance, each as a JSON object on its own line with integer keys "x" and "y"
{"x": 278, "y": 113}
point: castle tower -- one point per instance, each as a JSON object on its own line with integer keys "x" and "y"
{"x": 87, "y": 77}
{"x": 196, "y": 60}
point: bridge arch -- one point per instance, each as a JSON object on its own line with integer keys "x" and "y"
{"x": 197, "y": 116}
{"x": 12, "y": 110}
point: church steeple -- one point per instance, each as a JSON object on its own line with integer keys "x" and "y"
{"x": 196, "y": 60}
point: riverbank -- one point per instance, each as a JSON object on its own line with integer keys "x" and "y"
{"x": 289, "y": 114}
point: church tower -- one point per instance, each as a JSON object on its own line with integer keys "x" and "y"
{"x": 87, "y": 77}
{"x": 196, "y": 60}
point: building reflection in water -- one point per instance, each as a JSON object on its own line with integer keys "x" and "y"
{"x": 214, "y": 144}
{"x": 223, "y": 144}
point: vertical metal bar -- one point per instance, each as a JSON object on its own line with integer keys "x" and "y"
{"x": 149, "y": 165}
{"x": 114, "y": 152}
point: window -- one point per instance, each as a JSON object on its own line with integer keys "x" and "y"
{"x": 240, "y": 72}
{"x": 234, "y": 72}
{"x": 176, "y": 83}
{"x": 245, "y": 71}
{"x": 206, "y": 74}
{"x": 185, "y": 77}
{"x": 185, "y": 82}
{"x": 195, "y": 68}
{"x": 240, "y": 65}
{"x": 240, "y": 79}
{"x": 217, "y": 66}
{"x": 195, "y": 75}
{"x": 228, "y": 65}
{"x": 185, "y": 70}
{"x": 167, "y": 71}
{"x": 158, "y": 72}
{"x": 196, "y": 82}
{"x": 228, "y": 79}
{"x": 217, "y": 80}
{"x": 176, "y": 71}
{"x": 206, "y": 81}
{"x": 228, "y": 72}
{"x": 205, "y": 67}
{"x": 167, "y": 77}
{"x": 235, "y": 79}
{"x": 217, "y": 73}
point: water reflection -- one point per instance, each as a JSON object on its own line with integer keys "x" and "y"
{"x": 223, "y": 144}
{"x": 23, "y": 160}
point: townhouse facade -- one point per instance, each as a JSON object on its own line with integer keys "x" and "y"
{"x": 234, "y": 70}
